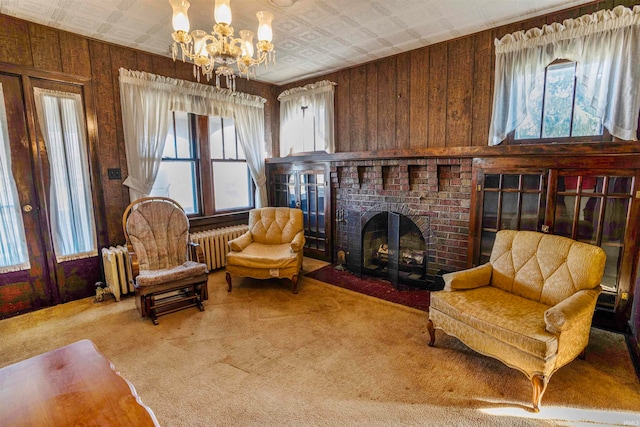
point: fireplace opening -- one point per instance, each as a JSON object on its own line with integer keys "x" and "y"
{"x": 394, "y": 247}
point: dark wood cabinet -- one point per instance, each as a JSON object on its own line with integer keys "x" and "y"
{"x": 593, "y": 200}
{"x": 306, "y": 186}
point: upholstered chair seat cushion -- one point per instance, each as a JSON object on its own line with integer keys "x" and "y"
{"x": 164, "y": 275}
{"x": 492, "y": 311}
{"x": 257, "y": 255}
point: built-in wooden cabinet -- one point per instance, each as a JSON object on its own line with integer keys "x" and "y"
{"x": 306, "y": 186}
{"x": 593, "y": 200}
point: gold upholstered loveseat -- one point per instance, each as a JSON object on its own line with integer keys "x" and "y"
{"x": 271, "y": 248}
{"x": 530, "y": 306}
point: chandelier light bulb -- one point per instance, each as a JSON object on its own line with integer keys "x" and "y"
{"x": 199, "y": 42}
{"x": 265, "y": 33}
{"x": 247, "y": 43}
{"x": 222, "y": 12}
{"x": 180, "y": 19}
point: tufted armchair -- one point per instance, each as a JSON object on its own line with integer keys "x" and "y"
{"x": 530, "y": 306}
{"x": 167, "y": 269}
{"x": 271, "y": 248}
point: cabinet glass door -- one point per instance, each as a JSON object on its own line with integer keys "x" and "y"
{"x": 594, "y": 209}
{"x": 510, "y": 202}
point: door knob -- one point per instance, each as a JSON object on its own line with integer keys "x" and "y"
{"x": 27, "y": 208}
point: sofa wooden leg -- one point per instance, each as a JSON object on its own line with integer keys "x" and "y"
{"x": 294, "y": 280}
{"x": 432, "y": 333}
{"x": 228, "y": 279}
{"x": 539, "y": 383}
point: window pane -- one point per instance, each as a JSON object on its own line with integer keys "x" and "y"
{"x": 229, "y": 131}
{"x": 183, "y": 143}
{"x": 492, "y": 181}
{"x": 568, "y": 184}
{"x": 610, "y": 277}
{"x": 619, "y": 185}
{"x": 585, "y": 121}
{"x": 563, "y": 225}
{"x": 615, "y": 219}
{"x": 508, "y": 219}
{"x": 215, "y": 137}
{"x": 510, "y": 181}
{"x": 530, "y": 127}
{"x": 241, "y": 155}
{"x": 490, "y": 210}
{"x": 177, "y": 180}
{"x": 170, "y": 141}
{"x": 231, "y": 185}
{"x": 558, "y": 100}
{"x": 531, "y": 182}
{"x": 529, "y": 211}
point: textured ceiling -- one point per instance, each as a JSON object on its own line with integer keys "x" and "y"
{"x": 312, "y": 37}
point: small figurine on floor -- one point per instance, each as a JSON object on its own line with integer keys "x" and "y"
{"x": 102, "y": 290}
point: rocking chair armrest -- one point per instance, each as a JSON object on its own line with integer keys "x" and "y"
{"x": 133, "y": 261}
{"x": 195, "y": 252}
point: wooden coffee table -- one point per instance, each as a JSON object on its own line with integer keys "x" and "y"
{"x": 71, "y": 385}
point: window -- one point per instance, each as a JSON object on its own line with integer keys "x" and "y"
{"x": 560, "y": 110}
{"x": 13, "y": 243}
{"x": 62, "y": 124}
{"x": 202, "y": 189}
{"x": 231, "y": 179}
{"x": 605, "y": 52}
{"x": 177, "y": 176}
{"x": 306, "y": 119}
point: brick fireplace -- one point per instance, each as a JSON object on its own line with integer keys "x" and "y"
{"x": 433, "y": 194}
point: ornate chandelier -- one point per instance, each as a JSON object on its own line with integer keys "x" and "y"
{"x": 215, "y": 53}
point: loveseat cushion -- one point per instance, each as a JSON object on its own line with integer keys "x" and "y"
{"x": 258, "y": 255}
{"x": 183, "y": 271}
{"x": 509, "y": 318}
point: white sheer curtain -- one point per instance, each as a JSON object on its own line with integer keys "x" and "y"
{"x": 606, "y": 47}
{"x": 13, "y": 243}
{"x": 145, "y": 100}
{"x": 149, "y": 99}
{"x": 61, "y": 119}
{"x": 249, "y": 118}
{"x": 318, "y": 98}
{"x": 247, "y": 111}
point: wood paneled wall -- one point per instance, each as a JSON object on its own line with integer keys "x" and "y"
{"x": 438, "y": 96}
{"x": 42, "y": 48}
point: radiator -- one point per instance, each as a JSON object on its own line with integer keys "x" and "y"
{"x": 117, "y": 270}
{"x": 215, "y": 243}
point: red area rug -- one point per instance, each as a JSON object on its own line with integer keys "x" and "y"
{"x": 416, "y": 298}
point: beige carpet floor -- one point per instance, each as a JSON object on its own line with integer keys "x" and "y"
{"x": 262, "y": 356}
